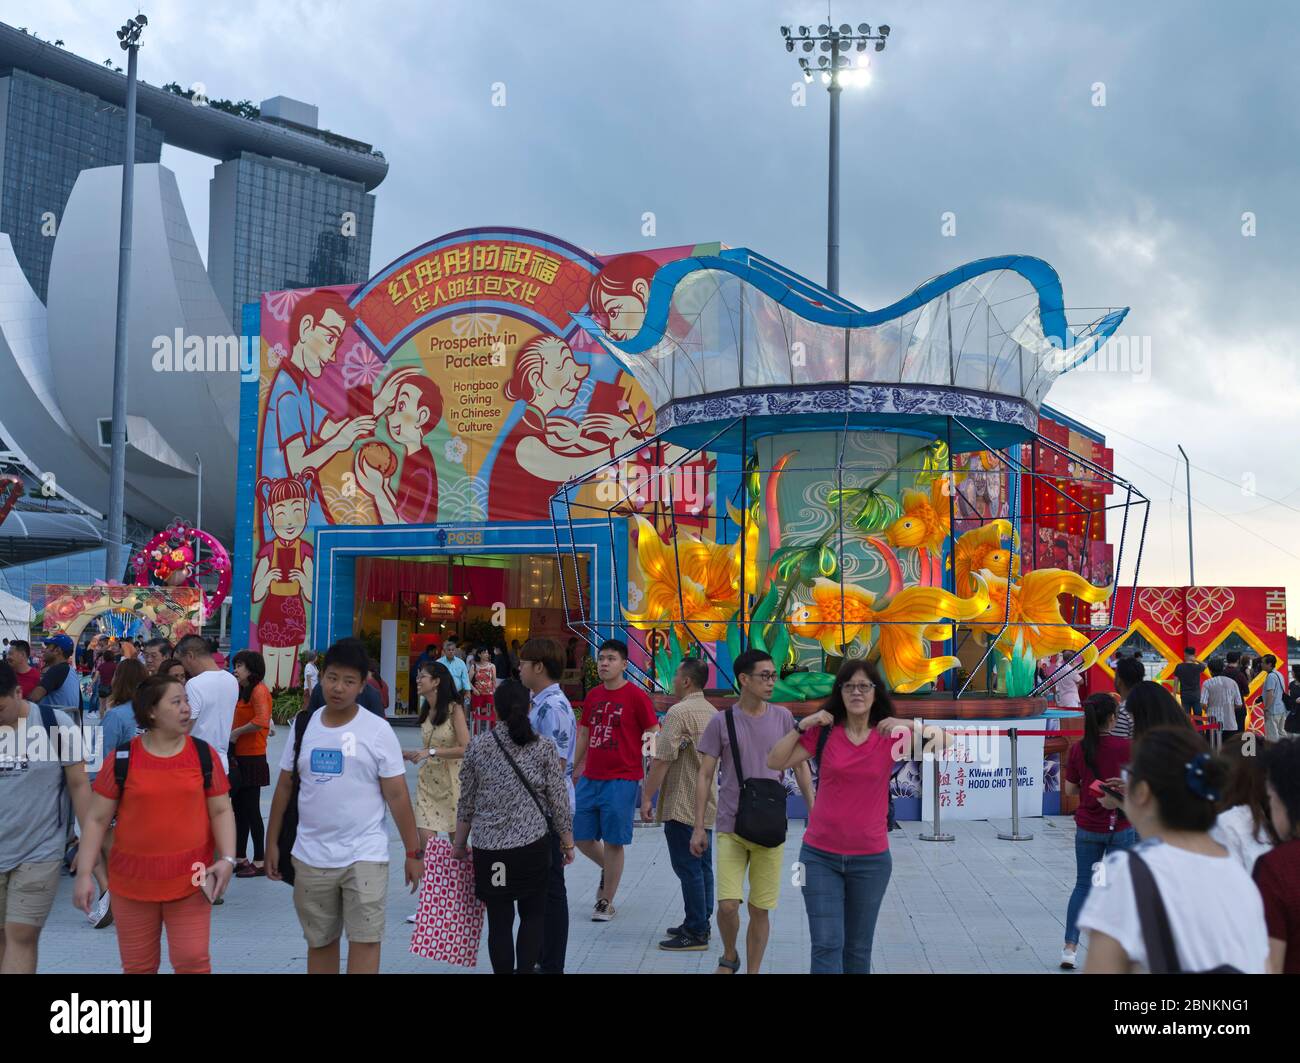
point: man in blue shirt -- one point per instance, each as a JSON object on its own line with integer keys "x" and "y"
{"x": 59, "y": 687}
{"x": 456, "y": 666}
{"x": 1274, "y": 707}
{"x": 541, "y": 663}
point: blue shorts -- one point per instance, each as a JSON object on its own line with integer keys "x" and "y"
{"x": 605, "y": 809}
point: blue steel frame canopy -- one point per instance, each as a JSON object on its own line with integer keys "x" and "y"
{"x": 736, "y": 334}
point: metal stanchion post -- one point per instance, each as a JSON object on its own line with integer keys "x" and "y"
{"x": 1015, "y": 835}
{"x": 936, "y": 835}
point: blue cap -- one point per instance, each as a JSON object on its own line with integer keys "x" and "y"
{"x": 63, "y": 642}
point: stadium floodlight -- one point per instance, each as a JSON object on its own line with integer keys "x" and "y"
{"x": 837, "y": 70}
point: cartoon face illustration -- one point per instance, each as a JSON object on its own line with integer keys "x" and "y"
{"x": 289, "y": 518}
{"x": 555, "y": 376}
{"x": 625, "y": 313}
{"x": 414, "y": 412}
{"x": 620, "y": 292}
{"x": 319, "y": 324}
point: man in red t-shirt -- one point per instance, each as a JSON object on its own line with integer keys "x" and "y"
{"x": 608, "y": 768}
{"x": 20, "y": 657}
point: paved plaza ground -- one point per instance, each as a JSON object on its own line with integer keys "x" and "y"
{"x": 974, "y": 905}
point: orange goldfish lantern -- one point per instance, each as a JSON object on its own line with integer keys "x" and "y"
{"x": 840, "y": 613}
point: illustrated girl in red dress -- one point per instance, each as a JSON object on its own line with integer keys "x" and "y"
{"x": 282, "y": 579}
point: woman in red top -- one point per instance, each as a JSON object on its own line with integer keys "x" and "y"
{"x": 1277, "y": 872}
{"x": 1098, "y": 829}
{"x": 485, "y": 684}
{"x": 845, "y": 852}
{"x": 248, "y": 750}
{"x": 161, "y": 871}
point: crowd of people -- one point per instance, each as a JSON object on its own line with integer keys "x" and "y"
{"x": 1186, "y": 859}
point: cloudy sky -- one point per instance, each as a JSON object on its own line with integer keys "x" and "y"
{"x": 687, "y": 109}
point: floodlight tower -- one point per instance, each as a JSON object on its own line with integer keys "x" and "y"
{"x": 837, "y": 69}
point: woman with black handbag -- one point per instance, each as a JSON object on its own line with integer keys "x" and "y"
{"x": 512, "y": 797}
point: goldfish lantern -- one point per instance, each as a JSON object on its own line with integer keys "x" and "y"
{"x": 847, "y": 445}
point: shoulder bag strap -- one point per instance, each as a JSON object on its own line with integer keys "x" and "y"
{"x": 205, "y": 761}
{"x": 300, "y": 723}
{"x": 527, "y": 785}
{"x": 1162, "y": 957}
{"x": 735, "y": 749}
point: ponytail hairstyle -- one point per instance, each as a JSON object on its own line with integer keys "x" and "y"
{"x": 1186, "y": 779}
{"x": 512, "y": 710}
{"x": 284, "y": 489}
{"x": 1098, "y": 710}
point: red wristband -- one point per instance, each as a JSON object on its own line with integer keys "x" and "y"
{"x": 414, "y": 854}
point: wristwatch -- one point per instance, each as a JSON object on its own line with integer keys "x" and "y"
{"x": 233, "y": 861}
{"x": 798, "y": 726}
{"x": 433, "y": 753}
{"x": 414, "y": 854}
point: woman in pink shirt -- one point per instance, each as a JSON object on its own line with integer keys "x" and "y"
{"x": 845, "y": 852}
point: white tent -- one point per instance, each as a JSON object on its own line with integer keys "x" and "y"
{"x": 15, "y": 617}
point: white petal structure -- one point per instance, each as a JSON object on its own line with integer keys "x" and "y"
{"x": 182, "y": 362}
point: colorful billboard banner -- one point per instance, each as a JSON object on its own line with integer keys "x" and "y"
{"x": 453, "y": 387}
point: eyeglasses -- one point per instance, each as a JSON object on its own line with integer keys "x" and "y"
{"x": 858, "y": 688}
{"x": 763, "y": 677}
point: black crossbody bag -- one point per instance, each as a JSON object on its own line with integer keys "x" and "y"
{"x": 289, "y": 824}
{"x": 760, "y": 815}
{"x": 1157, "y": 935}
{"x": 550, "y": 824}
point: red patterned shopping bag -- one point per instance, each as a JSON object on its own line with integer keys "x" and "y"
{"x": 449, "y": 920}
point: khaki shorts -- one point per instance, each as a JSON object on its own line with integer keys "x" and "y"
{"x": 331, "y": 899}
{"x": 735, "y": 855}
{"x": 27, "y": 892}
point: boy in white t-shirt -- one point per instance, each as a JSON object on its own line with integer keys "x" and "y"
{"x": 349, "y": 768}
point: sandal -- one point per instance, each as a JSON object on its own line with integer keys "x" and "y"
{"x": 731, "y": 965}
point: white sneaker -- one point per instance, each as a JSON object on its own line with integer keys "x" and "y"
{"x": 1068, "y": 957}
{"x": 410, "y": 918}
{"x": 603, "y": 912}
{"x": 101, "y": 915}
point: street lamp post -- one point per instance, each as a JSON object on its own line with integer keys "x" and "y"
{"x": 1191, "y": 561}
{"x": 129, "y": 39}
{"x": 837, "y": 70}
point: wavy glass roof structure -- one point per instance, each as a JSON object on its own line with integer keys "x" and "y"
{"x": 985, "y": 340}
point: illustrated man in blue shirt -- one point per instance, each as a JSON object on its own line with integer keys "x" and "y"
{"x": 541, "y": 663}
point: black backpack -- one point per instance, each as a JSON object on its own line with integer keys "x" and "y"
{"x": 760, "y": 815}
{"x": 289, "y": 824}
{"x": 122, "y": 764}
{"x": 1162, "y": 957}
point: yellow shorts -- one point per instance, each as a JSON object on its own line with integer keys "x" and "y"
{"x": 329, "y": 900}
{"x": 735, "y": 854}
